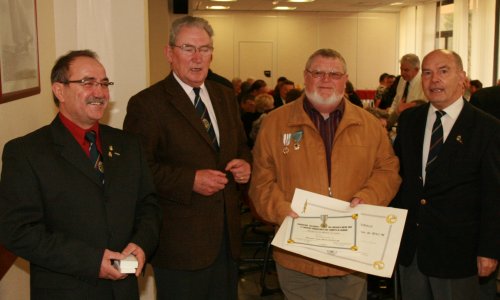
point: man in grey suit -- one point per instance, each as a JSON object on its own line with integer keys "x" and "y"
{"x": 196, "y": 147}
{"x": 76, "y": 195}
{"x": 449, "y": 153}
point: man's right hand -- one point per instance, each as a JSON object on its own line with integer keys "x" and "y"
{"x": 107, "y": 270}
{"x": 209, "y": 182}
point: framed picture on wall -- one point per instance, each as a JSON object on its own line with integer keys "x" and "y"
{"x": 19, "y": 68}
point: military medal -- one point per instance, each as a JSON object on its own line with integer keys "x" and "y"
{"x": 297, "y": 137}
{"x": 286, "y": 142}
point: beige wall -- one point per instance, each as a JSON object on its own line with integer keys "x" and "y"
{"x": 368, "y": 41}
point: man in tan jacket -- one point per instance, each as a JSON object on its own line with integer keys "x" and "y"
{"x": 335, "y": 149}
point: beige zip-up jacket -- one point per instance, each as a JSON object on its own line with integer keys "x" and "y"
{"x": 363, "y": 165}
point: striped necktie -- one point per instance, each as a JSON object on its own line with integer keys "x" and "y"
{"x": 405, "y": 93}
{"x": 95, "y": 156}
{"x": 205, "y": 118}
{"x": 436, "y": 138}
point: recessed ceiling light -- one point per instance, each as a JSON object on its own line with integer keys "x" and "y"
{"x": 396, "y": 3}
{"x": 300, "y": 1}
{"x": 217, "y": 7}
{"x": 285, "y": 8}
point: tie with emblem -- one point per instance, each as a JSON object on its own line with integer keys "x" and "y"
{"x": 95, "y": 156}
{"x": 436, "y": 138}
{"x": 205, "y": 118}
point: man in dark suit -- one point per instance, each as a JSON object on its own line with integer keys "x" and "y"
{"x": 488, "y": 99}
{"x": 450, "y": 164}
{"x": 198, "y": 157}
{"x": 69, "y": 210}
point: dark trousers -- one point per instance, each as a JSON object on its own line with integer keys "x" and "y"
{"x": 219, "y": 281}
{"x": 418, "y": 286}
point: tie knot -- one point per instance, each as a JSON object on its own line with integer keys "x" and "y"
{"x": 196, "y": 91}
{"x": 90, "y": 136}
{"x": 440, "y": 113}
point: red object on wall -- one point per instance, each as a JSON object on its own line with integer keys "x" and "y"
{"x": 366, "y": 94}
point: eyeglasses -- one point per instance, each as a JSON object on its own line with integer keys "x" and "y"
{"x": 323, "y": 74}
{"x": 90, "y": 84}
{"x": 191, "y": 50}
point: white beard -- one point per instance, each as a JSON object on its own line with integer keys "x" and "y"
{"x": 333, "y": 100}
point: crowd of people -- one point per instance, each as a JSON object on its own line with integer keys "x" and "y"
{"x": 77, "y": 195}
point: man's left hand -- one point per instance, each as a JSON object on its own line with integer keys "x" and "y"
{"x": 240, "y": 169}
{"x": 137, "y": 251}
{"x": 486, "y": 266}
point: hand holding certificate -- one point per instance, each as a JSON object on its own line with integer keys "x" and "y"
{"x": 365, "y": 238}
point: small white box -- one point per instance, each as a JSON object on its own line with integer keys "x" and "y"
{"x": 127, "y": 265}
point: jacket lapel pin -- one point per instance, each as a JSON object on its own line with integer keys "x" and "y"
{"x": 111, "y": 152}
{"x": 459, "y": 139}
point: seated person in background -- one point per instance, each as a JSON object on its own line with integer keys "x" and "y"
{"x": 276, "y": 91}
{"x": 283, "y": 88}
{"x": 351, "y": 94}
{"x": 385, "y": 80}
{"x": 381, "y": 114}
{"x": 237, "y": 85}
{"x": 264, "y": 103}
{"x": 248, "y": 114}
{"x": 389, "y": 93}
{"x": 293, "y": 95}
{"x": 258, "y": 87}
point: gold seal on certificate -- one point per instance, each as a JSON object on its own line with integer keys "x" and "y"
{"x": 365, "y": 238}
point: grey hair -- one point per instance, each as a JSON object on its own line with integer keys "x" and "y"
{"x": 328, "y": 53}
{"x": 412, "y": 59}
{"x": 189, "y": 21}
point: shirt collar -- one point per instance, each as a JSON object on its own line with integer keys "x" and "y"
{"x": 451, "y": 111}
{"x": 189, "y": 89}
{"x": 78, "y": 132}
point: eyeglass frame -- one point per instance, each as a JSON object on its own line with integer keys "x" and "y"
{"x": 323, "y": 74}
{"x": 94, "y": 83}
{"x": 184, "y": 48}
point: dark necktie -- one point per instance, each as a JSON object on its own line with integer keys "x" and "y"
{"x": 205, "y": 118}
{"x": 95, "y": 156}
{"x": 405, "y": 93}
{"x": 436, "y": 138}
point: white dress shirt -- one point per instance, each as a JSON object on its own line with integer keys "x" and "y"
{"x": 448, "y": 120}
{"x": 205, "y": 97}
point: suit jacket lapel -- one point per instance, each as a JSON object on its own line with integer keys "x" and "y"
{"x": 183, "y": 104}
{"x": 459, "y": 132}
{"x": 71, "y": 151}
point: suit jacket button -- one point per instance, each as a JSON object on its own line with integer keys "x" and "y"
{"x": 423, "y": 201}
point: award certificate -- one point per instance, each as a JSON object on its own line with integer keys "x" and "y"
{"x": 365, "y": 238}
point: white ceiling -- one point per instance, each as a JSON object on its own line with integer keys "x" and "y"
{"x": 316, "y": 6}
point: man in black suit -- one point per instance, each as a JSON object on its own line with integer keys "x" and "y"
{"x": 488, "y": 99}
{"x": 450, "y": 164}
{"x": 69, "y": 210}
{"x": 198, "y": 157}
